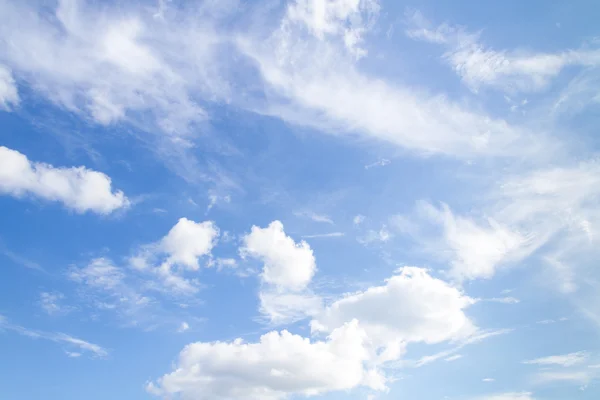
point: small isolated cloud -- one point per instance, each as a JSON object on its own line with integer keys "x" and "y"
{"x": 504, "y": 300}
{"x": 183, "y": 327}
{"x": 78, "y": 188}
{"x": 51, "y": 303}
{"x": 323, "y": 235}
{"x": 358, "y": 219}
{"x": 565, "y": 360}
{"x": 315, "y": 217}
{"x": 81, "y": 345}
{"x": 488, "y": 380}
{"x": 380, "y": 163}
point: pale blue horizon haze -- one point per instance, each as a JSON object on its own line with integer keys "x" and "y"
{"x": 302, "y": 199}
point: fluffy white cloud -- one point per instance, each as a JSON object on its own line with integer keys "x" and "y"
{"x": 187, "y": 241}
{"x": 8, "y": 89}
{"x": 78, "y": 188}
{"x": 287, "y": 271}
{"x": 180, "y": 249}
{"x": 425, "y": 309}
{"x": 287, "y": 265}
{"x": 507, "y": 70}
{"x": 278, "y": 365}
{"x": 565, "y": 360}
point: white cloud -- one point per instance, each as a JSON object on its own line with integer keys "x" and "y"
{"x": 100, "y": 274}
{"x": 453, "y": 358}
{"x": 122, "y": 63}
{"x": 358, "y": 219}
{"x": 180, "y": 249}
{"x": 505, "y": 300}
{"x": 183, "y": 327}
{"x": 9, "y": 95}
{"x": 488, "y": 380}
{"x": 78, "y": 188}
{"x": 287, "y": 307}
{"x": 508, "y": 396}
{"x": 578, "y": 377}
{"x": 380, "y": 163}
{"x": 565, "y": 360}
{"x": 287, "y": 265}
{"x": 315, "y": 217}
{"x": 348, "y": 19}
{"x": 286, "y": 273}
{"x": 477, "y": 65}
{"x": 475, "y": 250}
{"x": 278, "y": 365}
{"x": 187, "y": 241}
{"x": 477, "y": 337}
{"x": 313, "y": 82}
{"x": 426, "y": 309}
{"x": 51, "y": 303}
{"x": 382, "y": 235}
{"x": 57, "y": 337}
{"x": 323, "y": 235}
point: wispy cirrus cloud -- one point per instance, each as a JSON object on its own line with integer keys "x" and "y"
{"x": 58, "y": 337}
{"x": 508, "y": 70}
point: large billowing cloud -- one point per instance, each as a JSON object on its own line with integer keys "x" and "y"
{"x": 412, "y": 306}
{"x": 278, "y": 365}
{"x": 78, "y": 188}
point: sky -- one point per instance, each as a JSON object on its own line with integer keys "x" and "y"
{"x": 302, "y": 199}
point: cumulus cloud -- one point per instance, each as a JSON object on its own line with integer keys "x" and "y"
{"x": 78, "y": 188}
{"x": 278, "y": 365}
{"x": 507, "y": 70}
{"x": 287, "y": 265}
{"x": 9, "y": 95}
{"x": 288, "y": 268}
{"x": 180, "y": 249}
{"x": 426, "y": 309}
{"x": 187, "y": 241}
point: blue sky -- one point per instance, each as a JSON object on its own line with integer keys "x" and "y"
{"x": 336, "y": 199}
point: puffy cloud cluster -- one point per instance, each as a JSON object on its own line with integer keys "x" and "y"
{"x": 278, "y": 365}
